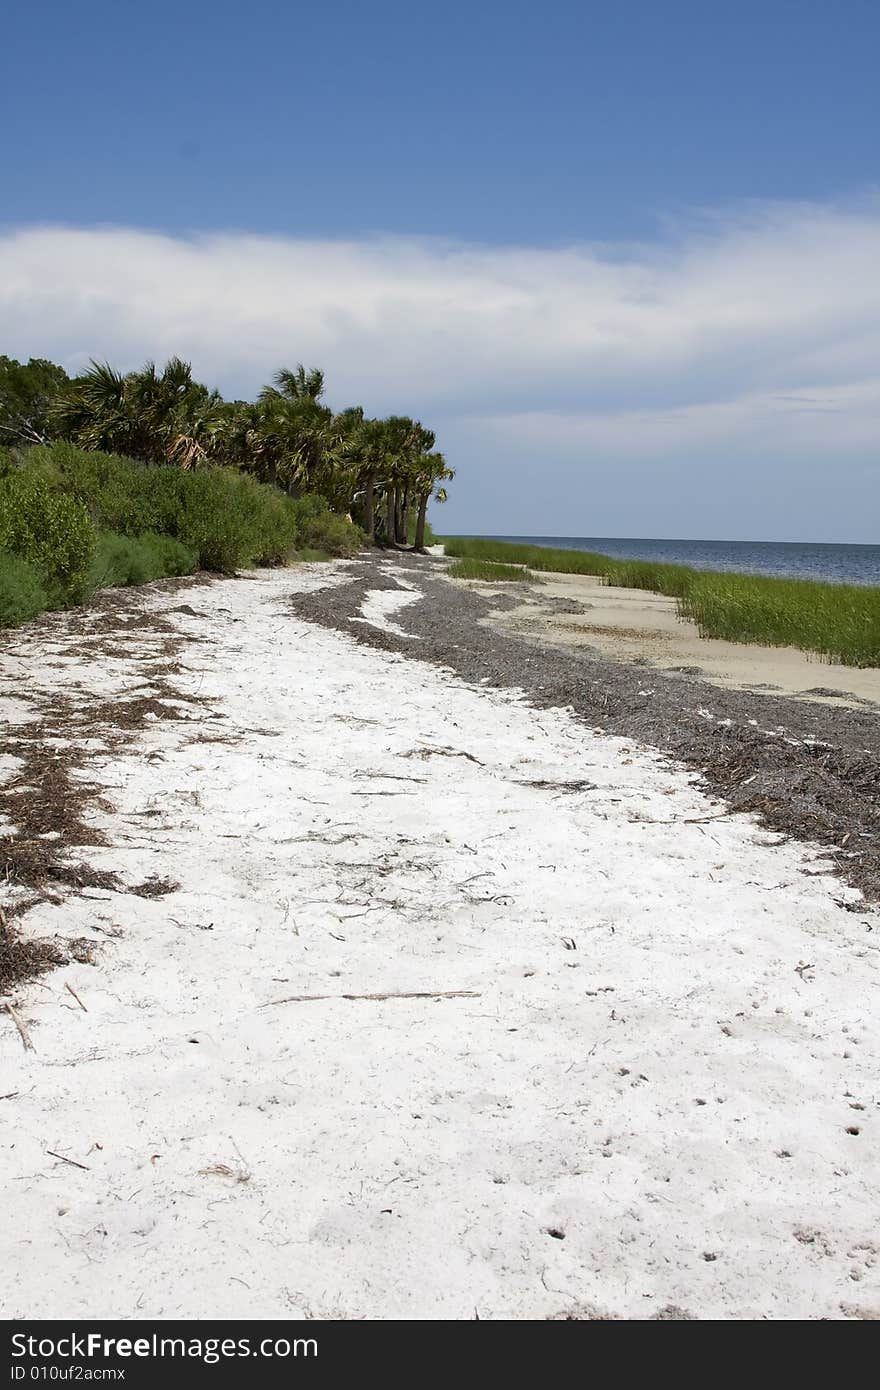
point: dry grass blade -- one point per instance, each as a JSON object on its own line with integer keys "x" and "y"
{"x": 543, "y": 784}
{"x": 223, "y": 1170}
{"x": 390, "y": 994}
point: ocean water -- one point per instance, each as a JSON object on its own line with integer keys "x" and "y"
{"x": 844, "y": 564}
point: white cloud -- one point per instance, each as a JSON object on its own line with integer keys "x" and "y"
{"x": 803, "y": 424}
{"x": 737, "y": 340}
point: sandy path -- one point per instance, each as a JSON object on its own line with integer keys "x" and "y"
{"x": 644, "y": 1110}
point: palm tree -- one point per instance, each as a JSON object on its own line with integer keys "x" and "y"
{"x": 159, "y": 417}
{"x": 371, "y": 447}
{"x": 297, "y": 384}
{"x": 301, "y": 445}
{"x": 287, "y": 437}
{"x": 434, "y": 470}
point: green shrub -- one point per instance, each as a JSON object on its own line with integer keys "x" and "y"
{"x": 172, "y": 555}
{"x": 306, "y": 555}
{"x": 223, "y": 518}
{"x": 226, "y": 517}
{"x": 114, "y": 562}
{"x": 124, "y": 560}
{"x": 51, "y": 530}
{"x": 121, "y": 495}
{"x": 22, "y": 591}
{"x": 320, "y": 528}
{"x": 231, "y": 521}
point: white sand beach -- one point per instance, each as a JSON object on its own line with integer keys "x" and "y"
{"x": 461, "y": 1009}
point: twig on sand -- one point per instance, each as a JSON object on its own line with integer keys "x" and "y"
{"x": 383, "y": 793}
{"x": 391, "y": 994}
{"x": 684, "y": 820}
{"x": 70, "y": 989}
{"x": 430, "y": 751}
{"x": 72, "y": 1161}
{"x": 22, "y": 1030}
{"x": 580, "y": 784}
{"x": 389, "y": 777}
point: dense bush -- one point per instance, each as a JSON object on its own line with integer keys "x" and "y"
{"x": 227, "y": 517}
{"x": 319, "y": 528}
{"x": 51, "y": 530}
{"x": 22, "y": 591}
{"x": 123, "y": 560}
{"x": 84, "y": 520}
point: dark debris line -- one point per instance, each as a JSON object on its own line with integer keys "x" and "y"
{"x": 829, "y": 795}
{"x": 47, "y": 801}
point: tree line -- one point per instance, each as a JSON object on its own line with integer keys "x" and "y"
{"x": 384, "y": 472}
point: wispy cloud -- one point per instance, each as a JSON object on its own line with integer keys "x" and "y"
{"x": 741, "y": 338}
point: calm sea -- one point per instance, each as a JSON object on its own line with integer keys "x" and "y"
{"x": 848, "y": 564}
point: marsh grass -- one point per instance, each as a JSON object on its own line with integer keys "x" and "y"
{"x": 837, "y": 622}
{"x": 488, "y": 569}
{"x": 536, "y": 557}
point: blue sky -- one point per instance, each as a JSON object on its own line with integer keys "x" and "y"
{"x": 504, "y": 184}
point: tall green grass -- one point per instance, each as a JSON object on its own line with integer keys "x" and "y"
{"x": 488, "y": 569}
{"x": 837, "y": 622}
{"x": 536, "y": 557}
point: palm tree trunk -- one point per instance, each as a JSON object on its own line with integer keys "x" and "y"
{"x": 397, "y": 513}
{"x": 389, "y": 515}
{"x": 420, "y": 521}
{"x": 369, "y": 510}
{"x": 404, "y": 516}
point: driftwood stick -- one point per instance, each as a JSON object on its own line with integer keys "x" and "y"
{"x": 22, "y": 1030}
{"x": 391, "y": 994}
{"x": 72, "y": 1161}
{"x": 70, "y": 989}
